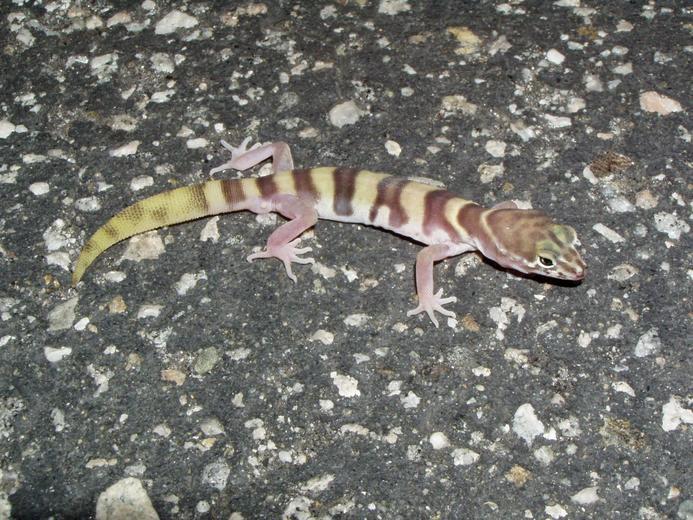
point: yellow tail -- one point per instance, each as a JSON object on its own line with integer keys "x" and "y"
{"x": 164, "y": 209}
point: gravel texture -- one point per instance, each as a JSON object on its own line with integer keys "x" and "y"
{"x": 179, "y": 381}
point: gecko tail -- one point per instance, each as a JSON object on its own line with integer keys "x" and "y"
{"x": 164, "y": 209}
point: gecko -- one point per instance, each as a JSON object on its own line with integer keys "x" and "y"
{"x": 523, "y": 240}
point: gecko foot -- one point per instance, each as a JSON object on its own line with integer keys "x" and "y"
{"x": 287, "y": 253}
{"x": 432, "y": 304}
{"x": 236, "y": 153}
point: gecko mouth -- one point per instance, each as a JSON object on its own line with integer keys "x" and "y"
{"x": 575, "y": 276}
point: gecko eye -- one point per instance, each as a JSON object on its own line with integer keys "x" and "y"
{"x": 546, "y": 262}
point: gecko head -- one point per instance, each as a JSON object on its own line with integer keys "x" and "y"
{"x": 530, "y": 242}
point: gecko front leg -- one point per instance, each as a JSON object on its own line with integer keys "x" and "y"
{"x": 429, "y": 302}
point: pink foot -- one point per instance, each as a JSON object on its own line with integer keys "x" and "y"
{"x": 237, "y": 153}
{"x": 287, "y": 253}
{"x": 433, "y": 303}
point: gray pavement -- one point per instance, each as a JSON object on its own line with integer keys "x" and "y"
{"x": 179, "y": 381}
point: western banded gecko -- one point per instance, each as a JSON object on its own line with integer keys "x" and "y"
{"x": 524, "y": 240}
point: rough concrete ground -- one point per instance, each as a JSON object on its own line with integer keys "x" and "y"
{"x": 191, "y": 384}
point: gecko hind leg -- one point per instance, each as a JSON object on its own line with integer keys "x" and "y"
{"x": 243, "y": 157}
{"x": 282, "y": 242}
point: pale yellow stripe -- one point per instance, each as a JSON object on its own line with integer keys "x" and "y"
{"x": 365, "y": 192}
{"x": 250, "y": 188}
{"x": 285, "y": 183}
{"x": 412, "y": 200}
{"x": 323, "y": 181}
{"x": 216, "y": 201}
{"x": 452, "y": 209}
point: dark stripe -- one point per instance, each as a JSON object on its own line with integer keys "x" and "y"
{"x": 232, "y": 190}
{"x": 344, "y": 187}
{"x": 133, "y": 213}
{"x": 469, "y": 217}
{"x": 198, "y": 199}
{"x": 267, "y": 186}
{"x": 389, "y": 195}
{"x": 434, "y": 213}
{"x": 303, "y": 183}
{"x": 110, "y": 230}
{"x": 159, "y": 214}
{"x": 554, "y": 238}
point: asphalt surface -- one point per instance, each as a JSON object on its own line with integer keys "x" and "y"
{"x": 180, "y": 381}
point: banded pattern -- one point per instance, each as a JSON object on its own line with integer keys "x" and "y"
{"x": 343, "y": 194}
{"x": 525, "y": 240}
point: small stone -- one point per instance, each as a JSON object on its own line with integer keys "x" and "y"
{"x": 608, "y": 233}
{"x": 212, "y": 427}
{"x": 194, "y": 144}
{"x": 489, "y": 172}
{"x": 585, "y": 496}
{"x": 648, "y": 344}
{"x": 141, "y": 182}
{"x": 526, "y": 425}
{"x": 162, "y": 62}
{"x": 470, "y": 324}
{"x": 173, "y": 376}
{"x": 575, "y": 104}
{"x": 323, "y": 336}
{"x": 206, "y": 360}
{"x": 609, "y": 162}
{"x": 652, "y": 101}
{"x": 173, "y": 21}
{"x": 555, "y": 57}
{"x": 556, "y": 511}
{"x": 347, "y": 386}
{"x": 216, "y": 474}
{"x": 464, "y": 457}
{"x": 557, "y": 121}
{"x": 53, "y": 355}
{"x": 495, "y": 148}
{"x": 210, "y": 231}
{"x": 674, "y": 414}
{"x": 117, "y": 305}
{"x": 62, "y": 316}
{"x": 458, "y": 103}
{"x": 439, "y": 440}
{"x": 593, "y": 83}
{"x": 411, "y": 400}
{"x": 88, "y": 204}
{"x": 469, "y": 42}
{"x": 671, "y": 225}
{"x": 624, "y": 26}
{"x": 346, "y": 113}
{"x": 622, "y": 386}
{"x": 623, "y": 70}
{"x": 623, "y": 272}
{"x": 518, "y": 475}
{"x": 39, "y": 188}
{"x": 645, "y": 200}
{"x": 148, "y": 311}
{"x": 393, "y": 148}
{"x": 393, "y": 7}
{"x": 147, "y": 246}
{"x": 125, "y": 150}
{"x": 123, "y": 500}
{"x": 6, "y": 128}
